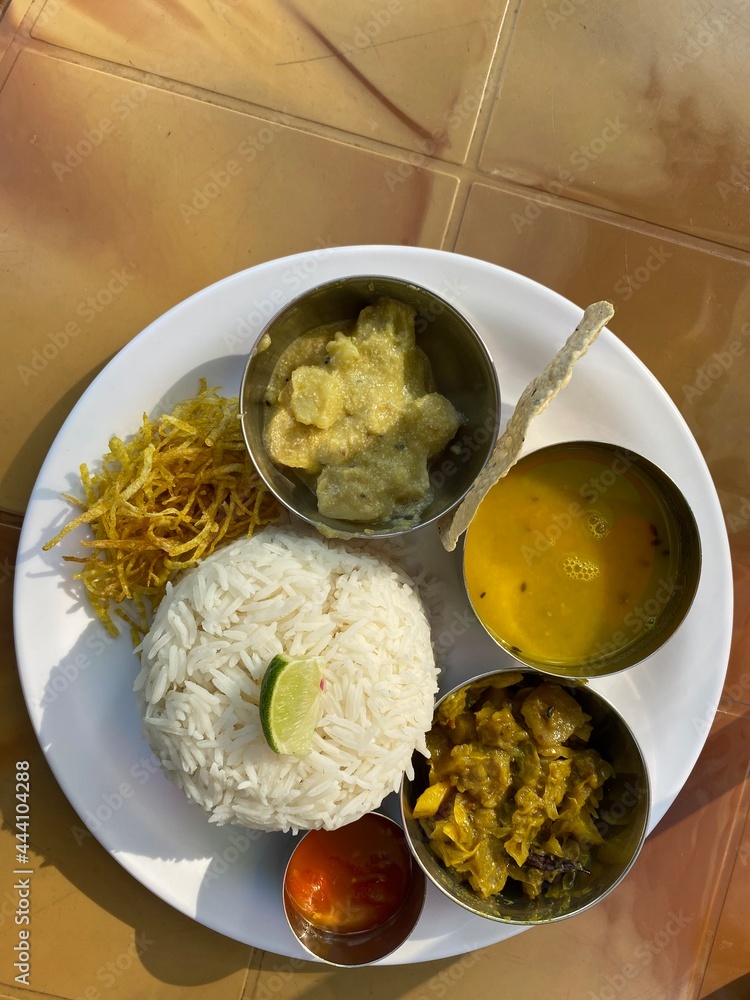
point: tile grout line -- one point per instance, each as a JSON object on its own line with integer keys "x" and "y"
{"x": 745, "y": 705}
{"x": 740, "y": 824}
{"x": 456, "y": 215}
{"x": 258, "y": 953}
{"x": 461, "y": 171}
{"x": 494, "y": 79}
{"x": 225, "y": 102}
{"x": 481, "y": 124}
{"x": 247, "y": 973}
{"x": 11, "y": 519}
{"x": 619, "y": 219}
{"x": 28, "y": 992}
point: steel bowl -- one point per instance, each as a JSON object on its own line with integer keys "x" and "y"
{"x": 461, "y": 366}
{"x": 363, "y": 947}
{"x": 622, "y": 821}
{"x": 648, "y": 626}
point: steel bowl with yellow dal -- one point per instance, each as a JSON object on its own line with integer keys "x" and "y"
{"x": 583, "y": 560}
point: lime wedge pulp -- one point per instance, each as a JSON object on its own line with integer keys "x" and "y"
{"x": 290, "y": 702}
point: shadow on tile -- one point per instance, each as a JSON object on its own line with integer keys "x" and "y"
{"x": 38, "y": 442}
{"x": 738, "y": 990}
{"x": 722, "y": 767}
{"x": 312, "y": 981}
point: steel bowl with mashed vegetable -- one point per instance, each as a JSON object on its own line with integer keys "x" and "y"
{"x": 534, "y": 803}
{"x": 369, "y": 405}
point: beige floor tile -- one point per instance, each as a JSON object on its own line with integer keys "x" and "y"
{"x": 623, "y": 949}
{"x": 728, "y": 968}
{"x": 638, "y": 108}
{"x": 120, "y": 200}
{"x": 92, "y": 926}
{"x": 683, "y": 311}
{"x": 394, "y": 71}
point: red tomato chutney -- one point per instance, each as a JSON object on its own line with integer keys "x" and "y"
{"x": 352, "y": 879}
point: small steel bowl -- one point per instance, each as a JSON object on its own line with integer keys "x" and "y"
{"x": 363, "y": 947}
{"x": 623, "y": 820}
{"x": 637, "y": 637}
{"x": 461, "y": 366}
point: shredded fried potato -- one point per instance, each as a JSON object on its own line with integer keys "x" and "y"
{"x": 181, "y": 487}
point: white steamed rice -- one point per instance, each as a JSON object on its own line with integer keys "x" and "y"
{"x": 205, "y": 655}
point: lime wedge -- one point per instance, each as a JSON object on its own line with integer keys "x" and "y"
{"x": 290, "y": 702}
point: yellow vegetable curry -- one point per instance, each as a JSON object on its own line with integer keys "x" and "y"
{"x": 514, "y": 787}
{"x": 353, "y": 405}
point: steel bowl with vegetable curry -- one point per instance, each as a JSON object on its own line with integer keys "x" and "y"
{"x": 354, "y": 406}
{"x": 369, "y": 406}
{"x": 516, "y": 809}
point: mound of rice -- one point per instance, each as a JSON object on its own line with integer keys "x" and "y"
{"x": 205, "y": 655}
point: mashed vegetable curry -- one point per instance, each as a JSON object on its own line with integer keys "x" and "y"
{"x": 514, "y": 787}
{"x": 354, "y": 406}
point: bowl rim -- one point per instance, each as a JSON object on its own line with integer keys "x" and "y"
{"x": 549, "y": 669}
{"x": 647, "y": 794}
{"x": 364, "y": 532}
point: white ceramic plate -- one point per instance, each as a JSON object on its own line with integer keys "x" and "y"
{"x": 78, "y": 683}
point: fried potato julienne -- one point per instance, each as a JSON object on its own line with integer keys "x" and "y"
{"x": 182, "y": 486}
